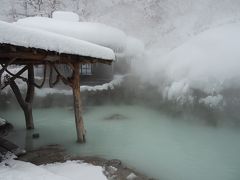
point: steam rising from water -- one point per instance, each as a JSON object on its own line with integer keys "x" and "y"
{"x": 154, "y": 143}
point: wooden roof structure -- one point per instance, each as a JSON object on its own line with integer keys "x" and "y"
{"x": 27, "y": 57}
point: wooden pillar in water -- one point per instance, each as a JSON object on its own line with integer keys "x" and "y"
{"x": 26, "y": 104}
{"x": 78, "y": 104}
{"x": 29, "y": 98}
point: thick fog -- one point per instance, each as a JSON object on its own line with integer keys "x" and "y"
{"x": 191, "y": 52}
{"x": 168, "y": 117}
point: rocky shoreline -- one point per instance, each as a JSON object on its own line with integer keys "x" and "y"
{"x": 113, "y": 169}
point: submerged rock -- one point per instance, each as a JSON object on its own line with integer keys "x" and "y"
{"x": 35, "y": 136}
{"x": 116, "y": 117}
{"x": 114, "y": 162}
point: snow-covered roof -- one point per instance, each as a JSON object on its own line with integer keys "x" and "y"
{"x": 35, "y": 38}
{"x": 96, "y": 33}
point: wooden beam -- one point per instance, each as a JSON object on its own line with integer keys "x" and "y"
{"x": 39, "y": 56}
{"x": 22, "y": 55}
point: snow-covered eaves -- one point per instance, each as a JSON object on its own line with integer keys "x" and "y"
{"x": 40, "y": 39}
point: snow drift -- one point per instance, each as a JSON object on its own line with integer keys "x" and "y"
{"x": 209, "y": 63}
{"x": 71, "y": 170}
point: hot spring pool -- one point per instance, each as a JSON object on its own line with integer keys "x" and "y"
{"x": 158, "y": 145}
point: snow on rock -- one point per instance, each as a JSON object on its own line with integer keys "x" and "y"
{"x": 30, "y": 37}
{"x": 212, "y": 101}
{"x": 71, "y": 170}
{"x": 2, "y": 121}
{"x": 6, "y": 157}
{"x": 179, "y": 92}
{"x": 131, "y": 176}
{"x": 65, "y": 16}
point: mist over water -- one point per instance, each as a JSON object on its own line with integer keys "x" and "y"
{"x": 176, "y": 116}
{"x": 153, "y": 142}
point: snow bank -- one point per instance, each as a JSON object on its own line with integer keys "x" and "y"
{"x": 97, "y": 33}
{"x": 43, "y": 92}
{"x": 209, "y": 63}
{"x": 70, "y": 170}
{"x": 117, "y": 80}
{"x": 76, "y": 170}
{"x": 49, "y": 91}
{"x": 65, "y": 16}
{"x": 29, "y": 37}
{"x": 209, "y": 60}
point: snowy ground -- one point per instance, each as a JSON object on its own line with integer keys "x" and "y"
{"x": 71, "y": 170}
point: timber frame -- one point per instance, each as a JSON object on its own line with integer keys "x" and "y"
{"x": 26, "y": 58}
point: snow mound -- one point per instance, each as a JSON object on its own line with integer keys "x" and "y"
{"x": 209, "y": 60}
{"x": 70, "y": 170}
{"x": 65, "y": 16}
{"x": 34, "y": 38}
{"x": 76, "y": 170}
{"x": 200, "y": 69}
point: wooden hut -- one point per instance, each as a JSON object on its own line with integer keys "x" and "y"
{"x": 28, "y": 47}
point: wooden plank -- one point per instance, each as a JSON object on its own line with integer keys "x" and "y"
{"x": 11, "y": 147}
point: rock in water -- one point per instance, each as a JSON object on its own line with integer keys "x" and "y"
{"x": 116, "y": 117}
{"x": 5, "y": 127}
{"x": 35, "y": 135}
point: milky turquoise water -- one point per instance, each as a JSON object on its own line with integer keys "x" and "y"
{"x": 150, "y": 141}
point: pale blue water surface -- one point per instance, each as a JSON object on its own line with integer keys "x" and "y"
{"x": 147, "y": 140}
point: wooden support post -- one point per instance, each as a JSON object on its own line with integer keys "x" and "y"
{"x": 29, "y": 98}
{"x": 77, "y": 103}
{"x": 26, "y": 104}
